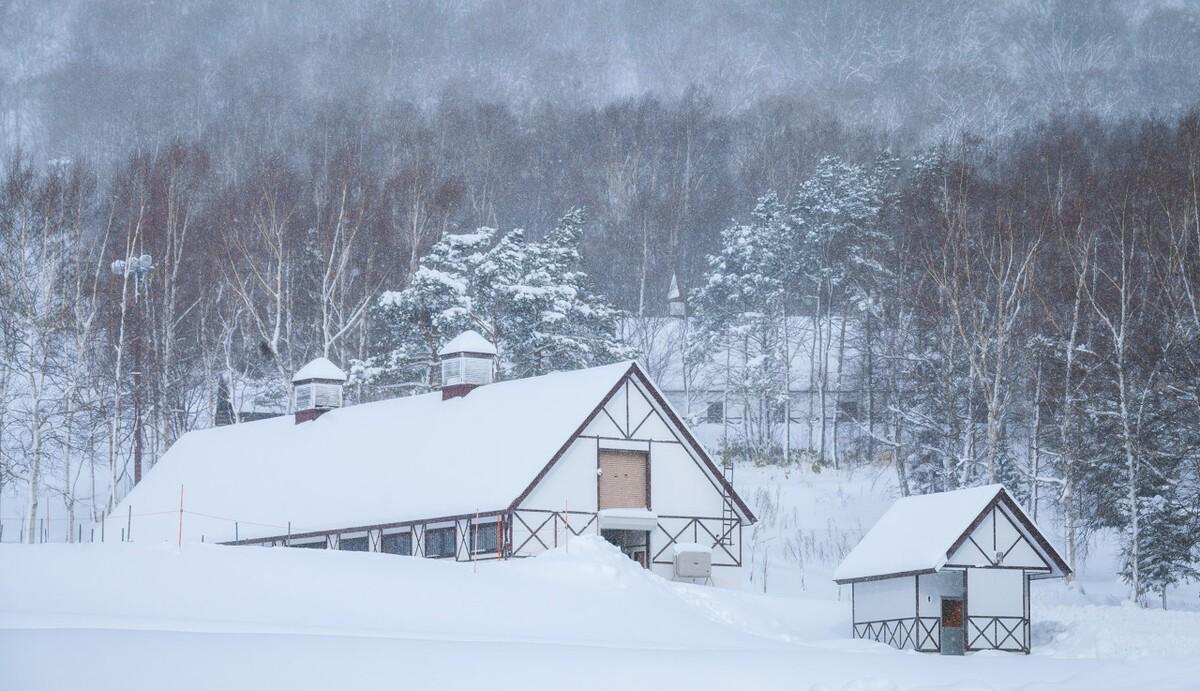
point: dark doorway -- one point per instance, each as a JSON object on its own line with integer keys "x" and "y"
{"x": 635, "y": 544}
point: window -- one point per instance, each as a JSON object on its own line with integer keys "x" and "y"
{"x": 315, "y": 544}
{"x": 483, "y": 538}
{"x": 715, "y": 413}
{"x": 304, "y": 396}
{"x": 327, "y": 396}
{"x": 778, "y": 411}
{"x": 439, "y": 542}
{"x": 397, "y": 543}
{"x": 452, "y": 371}
{"x": 478, "y": 370}
{"x": 354, "y": 544}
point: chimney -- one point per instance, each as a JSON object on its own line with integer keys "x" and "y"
{"x": 317, "y": 389}
{"x": 468, "y": 361}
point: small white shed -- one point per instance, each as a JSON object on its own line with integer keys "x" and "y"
{"x": 949, "y": 572}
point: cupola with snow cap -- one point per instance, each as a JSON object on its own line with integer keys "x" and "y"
{"x": 316, "y": 389}
{"x": 468, "y": 361}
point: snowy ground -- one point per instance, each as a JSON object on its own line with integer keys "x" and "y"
{"x": 130, "y": 617}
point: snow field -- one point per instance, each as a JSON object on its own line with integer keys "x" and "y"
{"x": 132, "y": 617}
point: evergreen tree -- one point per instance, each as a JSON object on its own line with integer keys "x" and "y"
{"x": 415, "y": 322}
{"x": 533, "y": 300}
{"x": 559, "y": 321}
{"x": 741, "y": 309}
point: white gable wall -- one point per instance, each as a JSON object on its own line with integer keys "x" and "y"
{"x": 680, "y": 485}
{"x": 998, "y": 532}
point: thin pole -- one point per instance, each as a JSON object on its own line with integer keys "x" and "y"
{"x": 236, "y": 536}
{"x": 500, "y": 536}
{"x": 129, "y": 523}
{"x": 181, "y": 516}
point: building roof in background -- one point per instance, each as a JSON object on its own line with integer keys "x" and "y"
{"x": 661, "y": 341}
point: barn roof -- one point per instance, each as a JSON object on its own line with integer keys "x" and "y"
{"x": 918, "y": 533}
{"x": 389, "y": 461}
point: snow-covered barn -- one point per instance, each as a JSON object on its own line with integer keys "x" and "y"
{"x": 949, "y": 572}
{"x": 477, "y": 470}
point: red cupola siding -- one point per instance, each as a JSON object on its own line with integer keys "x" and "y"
{"x": 316, "y": 389}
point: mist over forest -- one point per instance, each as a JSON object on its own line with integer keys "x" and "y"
{"x": 988, "y": 208}
{"x": 532, "y": 108}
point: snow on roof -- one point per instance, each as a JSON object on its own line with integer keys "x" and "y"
{"x": 401, "y": 459}
{"x": 916, "y": 533}
{"x": 468, "y": 342}
{"x": 321, "y": 368}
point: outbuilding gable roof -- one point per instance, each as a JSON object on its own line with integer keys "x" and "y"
{"x": 917, "y": 534}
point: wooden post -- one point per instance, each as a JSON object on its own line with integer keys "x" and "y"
{"x": 181, "y": 516}
{"x": 236, "y": 532}
{"x": 129, "y": 523}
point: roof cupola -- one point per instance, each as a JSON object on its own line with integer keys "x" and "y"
{"x": 468, "y": 361}
{"x": 317, "y": 389}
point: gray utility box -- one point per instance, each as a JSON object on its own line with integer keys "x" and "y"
{"x": 693, "y": 562}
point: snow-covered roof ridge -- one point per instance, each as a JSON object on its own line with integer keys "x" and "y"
{"x": 916, "y": 533}
{"x": 320, "y": 368}
{"x": 469, "y": 341}
{"x": 400, "y": 459}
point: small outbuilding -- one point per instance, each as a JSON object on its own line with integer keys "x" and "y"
{"x": 949, "y": 572}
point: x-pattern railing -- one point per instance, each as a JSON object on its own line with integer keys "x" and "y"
{"x": 897, "y": 633}
{"x": 996, "y": 632}
{"x": 543, "y": 527}
{"x": 700, "y": 533}
{"x": 929, "y": 633}
{"x": 922, "y": 633}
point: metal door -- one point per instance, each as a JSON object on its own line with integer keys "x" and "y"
{"x": 953, "y": 635}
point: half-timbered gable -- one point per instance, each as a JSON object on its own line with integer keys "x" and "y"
{"x": 949, "y": 572}
{"x": 635, "y": 454}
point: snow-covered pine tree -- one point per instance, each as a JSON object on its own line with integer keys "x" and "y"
{"x": 533, "y": 300}
{"x": 1167, "y": 553}
{"x": 415, "y": 322}
{"x": 740, "y": 308}
{"x": 556, "y": 320}
{"x": 836, "y": 214}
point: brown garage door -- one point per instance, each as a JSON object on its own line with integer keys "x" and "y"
{"x": 623, "y": 480}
